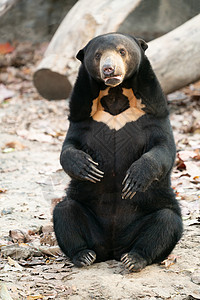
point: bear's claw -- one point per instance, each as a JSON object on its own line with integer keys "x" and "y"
{"x": 93, "y": 174}
{"x": 138, "y": 178}
{"x": 133, "y": 261}
{"x": 84, "y": 258}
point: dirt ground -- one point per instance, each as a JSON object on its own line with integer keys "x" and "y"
{"x": 31, "y": 182}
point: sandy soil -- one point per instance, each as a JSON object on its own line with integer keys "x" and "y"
{"x": 31, "y": 177}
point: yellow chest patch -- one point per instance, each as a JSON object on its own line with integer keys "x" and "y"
{"x": 133, "y": 113}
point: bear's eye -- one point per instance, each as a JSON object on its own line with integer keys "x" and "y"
{"x": 98, "y": 55}
{"x": 122, "y": 52}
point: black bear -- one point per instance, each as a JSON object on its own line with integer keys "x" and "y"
{"x": 119, "y": 152}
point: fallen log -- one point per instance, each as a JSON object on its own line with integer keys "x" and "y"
{"x": 5, "y": 5}
{"x": 175, "y": 57}
{"x": 57, "y": 71}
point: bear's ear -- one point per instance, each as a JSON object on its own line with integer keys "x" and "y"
{"x": 143, "y": 44}
{"x": 80, "y": 55}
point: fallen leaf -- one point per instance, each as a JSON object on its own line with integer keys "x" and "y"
{"x": 42, "y": 217}
{"x": 15, "y": 264}
{"x": 171, "y": 260}
{"x": 50, "y": 276}
{"x": 14, "y": 145}
{"x": 3, "y": 190}
{"x": 189, "y": 208}
{"x": 35, "y": 136}
{"x": 185, "y": 155}
{"x": 197, "y": 154}
{"x": 180, "y": 163}
{"x": 47, "y": 228}
{"x": 5, "y": 93}
{"x": 192, "y": 168}
{"x": 3, "y": 243}
{"x": 37, "y": 297}
{"x": 19, "y": 236}
{"x": 4, "y": 294}
{"x": 48, "y": 238}
{"x": 32, "y": 262}
{"x": 6, "y": 48}
{"x": 18, "y": 252}
{"x": 53, "y": 251}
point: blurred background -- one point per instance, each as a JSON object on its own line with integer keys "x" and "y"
{"x": 39, "y": 40}
{"x": 37, "y": 20}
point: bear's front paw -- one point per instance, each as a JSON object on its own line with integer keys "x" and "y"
{"x": 138, "y": 178}
{"x": 80, "y": 165}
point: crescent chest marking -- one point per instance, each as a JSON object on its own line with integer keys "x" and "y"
{"x": 131, "y": 114}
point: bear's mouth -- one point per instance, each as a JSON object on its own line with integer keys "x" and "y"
{"x": 113, "y": 80}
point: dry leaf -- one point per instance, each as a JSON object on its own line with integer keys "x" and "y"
{"x": 35, "y": 136}
{"x": 47, "y": 228}
{"x": 37, "y": 297}
{"x": 48, "y": 239}
{"x": 6, "y": 48}
{"x": 53, "y": 251}
{"x": 4, "y": 294}
{"x": 13, "y": 263}
{"x": 15, "y": 145}
{"x": 185, "y": 155}
{"x": 32, "y": 262}
{"x": 50, "y": 276}
{"x": 18, "y": 252}
{"x": 197, "y": 154}
{"x": 19, "y": 236}
{"x": 5, "y": 93}
{"x": 180, "y": 163}
{"x": 192, "y": 169}
{"x": 171, "y": 260}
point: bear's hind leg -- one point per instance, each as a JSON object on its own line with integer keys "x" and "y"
{"x": 157, "y": 236}
{"x": 76, "y": 231}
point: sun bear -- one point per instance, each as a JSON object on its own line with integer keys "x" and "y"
{"x": 119, "y": 152}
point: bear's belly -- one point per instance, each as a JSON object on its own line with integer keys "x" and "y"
{"x": 115, "y": 151}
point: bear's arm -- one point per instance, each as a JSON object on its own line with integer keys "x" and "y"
{"x": 84, "y": 92}
{"x": 147, "y": 87}
{"x": 75, "y": 162}
{"x": 156, "y": 163}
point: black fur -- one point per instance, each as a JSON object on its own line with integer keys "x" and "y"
{"x": 94, "y": 217}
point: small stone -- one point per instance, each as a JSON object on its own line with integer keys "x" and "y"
{"x": 196, "y": 277}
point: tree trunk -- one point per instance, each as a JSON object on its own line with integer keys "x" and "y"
{"x": 175, "y": 57}
{"x": 56, "y": 73}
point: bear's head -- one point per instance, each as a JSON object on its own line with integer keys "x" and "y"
{"x": 112, "y": 57}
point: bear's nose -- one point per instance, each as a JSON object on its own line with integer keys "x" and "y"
{"x": 108, "y": 70}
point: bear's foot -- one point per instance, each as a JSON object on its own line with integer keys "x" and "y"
{"x": 84, "y": 258}
{"x": 133, "y": 261}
